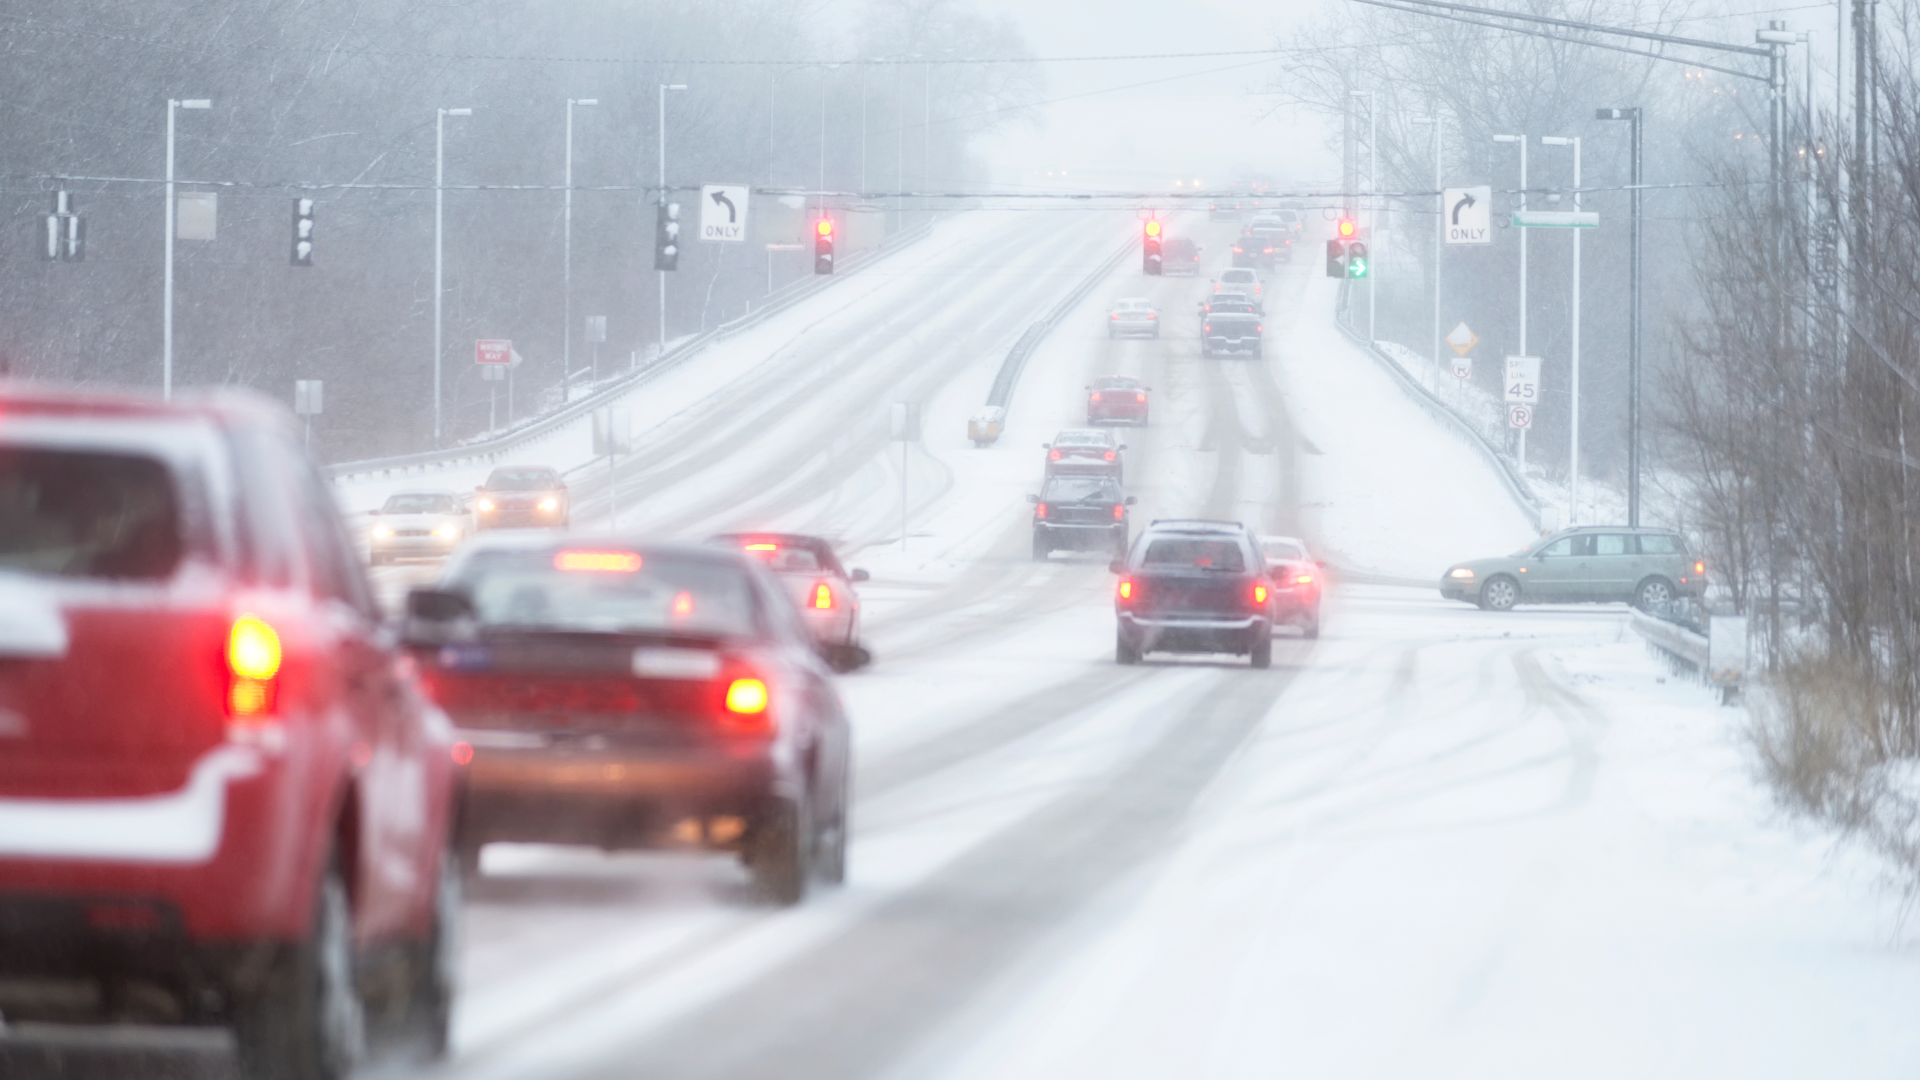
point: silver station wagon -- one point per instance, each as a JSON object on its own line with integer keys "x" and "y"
{"x": 1589, "y": 564}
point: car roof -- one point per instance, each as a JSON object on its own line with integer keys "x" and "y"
{"x": 794, "y": 540}
{"x": 1117, "y": 381}
{"x": 54, "y": 401}
{"x": 1199, "y": 526}
{"x": 435, "y": 492}
{"x": 1084, "y": 436}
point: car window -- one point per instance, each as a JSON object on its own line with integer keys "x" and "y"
{"x": 419, "y": 504}
{"x": 70, "y": 513}
{"x": 788, "y": 560}
{"x": 1560, "y": 548}
{"x": 1081, "y": 438}
{"x": 1096, "y": 489}
{"x": 1661, "y": 544}
{"x": 335, "y": 572}
{"x": 607, "y": 591}
{"x": 1282, "y": 550}
{"x": 522, "y": 480}
{"x": 1613, "y": 544}
{"x": 1222, "y": 555}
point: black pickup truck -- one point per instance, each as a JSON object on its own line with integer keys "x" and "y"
{"x": 1197, "y": 587}
{"x": 1230, "y": 331}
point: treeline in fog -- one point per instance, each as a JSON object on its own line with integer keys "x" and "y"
{"x": 346, "y": 96}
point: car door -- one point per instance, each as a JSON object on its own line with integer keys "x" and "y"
{"x": 1558, "y": 574}
{"x": 1616, "y": 566}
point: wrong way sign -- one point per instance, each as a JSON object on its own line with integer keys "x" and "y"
{"x": 723, "y": 213}
{"x": 1469, "y": 214}
{"x": 492, "y": 351}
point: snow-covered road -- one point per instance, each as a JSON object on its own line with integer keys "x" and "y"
{"x": 1435, "y": 842}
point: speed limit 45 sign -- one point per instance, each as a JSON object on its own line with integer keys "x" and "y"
{"x": 1523, "y": 381}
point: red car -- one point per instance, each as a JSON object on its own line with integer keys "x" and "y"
{"x": 1296, "y": 576}
{"x": 1117, "y": 399}
{"x": 222, "y": 799}
{"x": 821, "y": 587}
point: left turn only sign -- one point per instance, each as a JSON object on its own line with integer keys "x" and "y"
{"x": 723, "y": 213}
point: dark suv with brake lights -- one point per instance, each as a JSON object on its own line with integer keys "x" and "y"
{"x": 1195, "y": 587}
{"x": 1080, "y": 513}
{"x": 522, "y": 496}
{"x": 223, "y": 800}
{"x": 638, "y": 695}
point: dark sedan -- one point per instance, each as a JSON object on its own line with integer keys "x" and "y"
{"x": 638, "y": 696}
{"x": 1079, "y": 513}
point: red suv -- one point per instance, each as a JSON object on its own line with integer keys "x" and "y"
{"x": 223, "y": 801}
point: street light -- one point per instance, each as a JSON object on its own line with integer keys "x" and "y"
{"x": 439, "y": 249}
{"x": 664, "y": 87}
{"x": 1521, "y": 141}
{"x": 1373, "y": 231}
{"x": 1633, "y": 348}
{"x": 566, "y": 341}
{"x": 1440, "y": 231}
{"x": 1573, "y": 374}
{"x": 166, "y": 300}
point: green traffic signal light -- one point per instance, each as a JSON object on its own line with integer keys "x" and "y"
{"x": 1357, "y": 265}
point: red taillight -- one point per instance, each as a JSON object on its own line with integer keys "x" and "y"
{"x": 1040, "y": 511}
{"x": 682, "y": 605}
{"x": 745, "y": 708}
{"x": 1259, "y": 329}
{"x": 1207, "y": 329}
{"x": 1096, "y": 396}
{"x": 253, "y": 659}
{"x": 1126, "y": 588}
{"x": 1152, "y": 315}
{"x": 1142, "y": 398}
{"x": 1053, "y": 455}
{"x": 1303, "y": 579}
{"x": 1259, "y": 594}
{"x": 1109, "y": 455}
{"x": 462, "y": 753}
{"x": 822, "y": 596}
{"x": 597, "y": 562}
{"x": 1115, "y": 315}
{"x": 1699, "y": 569}
{"x": 1119, "y": 511}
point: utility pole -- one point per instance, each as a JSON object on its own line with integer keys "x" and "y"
{"x": 1373, "y": 231}
{"x": 664, "y": 87}
{"x": 566, "y": 346}
{"x": 1573, "y": 377}
{"x": 166, "y": 290}
{"x": 439, "y": 251}
{"x": 1520, "y": 437}
{"x": 1637, "y": 178}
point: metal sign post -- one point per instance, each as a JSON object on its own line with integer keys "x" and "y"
{"x": 596, "y": 335}
{"x": 1522, "y": 391}
{"x": 906, "y": 428}
{"x": 612, "y": 434}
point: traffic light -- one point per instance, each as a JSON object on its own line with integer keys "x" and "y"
{"x": 66, "y": 233}
{"x": 302, "y": 232}
{"x": 1348, "y": 229}
{"x": 1150, "y": 248}
{"x": 823, "y": 246}
{"x": 1336, "y": 258}
{"x": 666, "y": 237}
{"x": 1357, "y": 264}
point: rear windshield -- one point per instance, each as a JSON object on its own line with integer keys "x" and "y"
{"x": 1223, "y": 555}
{"x": 1118, "y": 384}
{"x": 522, "y": 480}
{"x": 785, "y": 560}
{"x": 66, "y": 513}
{"x": 602, "y": 591}
{"x": 1240, "y": 277}
{"x": 419, "y": 504}
{"x": 1089, "y": 489}
{"x": 1282, "y": 550}
{"x": 1081, "y": 438}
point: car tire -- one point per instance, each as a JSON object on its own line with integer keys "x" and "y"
{"x": 1651, "y": 593}
{"x": 1261, "y": 654}
{"x": 1124, "y": 651}
{"x": 1499, "y": 593}
{"x": 777, "y": 853}
{"x": 308, "y": 1022}
{"x": 1040, "y": 548}
{"x": 830, "y": 847}
{"x": 436, "y": 968}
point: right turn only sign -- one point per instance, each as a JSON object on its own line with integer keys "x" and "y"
{"x": 1468, "y": 214}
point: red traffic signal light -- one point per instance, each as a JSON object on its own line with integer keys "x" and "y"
{"x": 825, "y": 228}
{"x": 823, "y": 246}
{"x": 1347, "y": 228}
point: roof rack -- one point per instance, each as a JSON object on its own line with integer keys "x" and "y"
{"x": 1202, "y": 523}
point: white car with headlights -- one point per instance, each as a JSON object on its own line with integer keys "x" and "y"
{"x": 418, "y": 525}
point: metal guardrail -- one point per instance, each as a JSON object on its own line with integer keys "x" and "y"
{"x": 1008, "y": 377}
{"x": 1516, "y": 484}
{"x": 488, "y": 450}
{"x": 1715, "y": 653}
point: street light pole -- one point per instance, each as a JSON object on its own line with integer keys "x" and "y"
{"x": 1636, "y": 179}
{"x": 1520, "y": 451}
{"x": 1373, "y": 232}
{"x": 664, "y": 87}
{"x": 1573, "y": 378}
{"x": 566, "y": 346}
{"x": 439, "y": 246}
{"x": 1440, "y": 229}
{"x": 166, "y": 289}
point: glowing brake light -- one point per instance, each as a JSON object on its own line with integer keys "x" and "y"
{"x": 597, "y": 562}
{"x": 1119, "y": 511}
{"x": 253, "y": 656}
{"x": 1053, "y": 455}
{"x": 1126, "y": 588}
{"x": 1303, "y": 579}
{"x": 1040, "y": 511}
{"x": 1207, "y": 329}
{"x": 1699, "y": 568}
{"x": 822, "y": 596}
{"x": 1259, "y": 594}
{"x": 1140, "y": 398}
{"x": 1096, "y": 396}
{"x": 746, "y": 708}
{"x": 763, "y": 547}
{"x": 1109, "y": 455}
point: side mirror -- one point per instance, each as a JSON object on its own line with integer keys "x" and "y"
{"x": 1117, "y": 566}
{"x": 1046, "y": 446}
{"x": 1123, "y": 446}
{"x": 375, "y": 512}
{"x": 1033, "y": 498}
{"x": 845, "y": 658}
{"x": 438, "y": 617}
{"x": 1131, "y": 499}
{"x": 859, "y": 575}
{"x": 479, "y": 487}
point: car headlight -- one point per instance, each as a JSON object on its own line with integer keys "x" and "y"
{"x": 1460, "y": 572}
{"x": 549, "y": 504}
{"x": 485, "y": 506}
{"x": 383, "y": 532}
{"x": 447, "y": 531}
